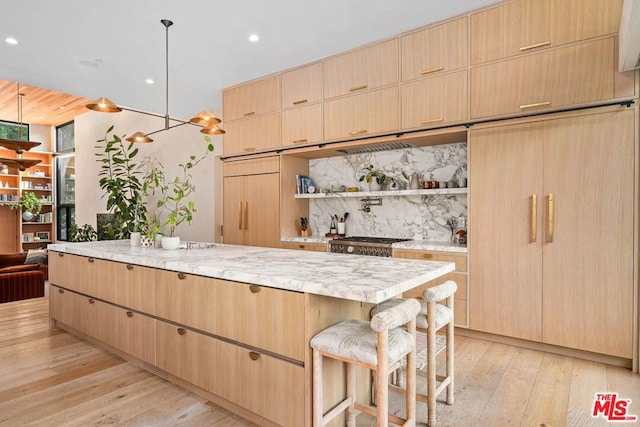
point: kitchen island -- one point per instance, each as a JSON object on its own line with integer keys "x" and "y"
{"x": 231, "y": 323}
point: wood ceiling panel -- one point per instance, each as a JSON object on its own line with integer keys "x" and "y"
{"x": 39, "y": 106}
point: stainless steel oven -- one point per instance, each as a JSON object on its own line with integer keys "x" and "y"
{"x": 360, "y": 245}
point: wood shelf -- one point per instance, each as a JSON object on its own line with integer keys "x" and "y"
{"x": 388, "y": 193}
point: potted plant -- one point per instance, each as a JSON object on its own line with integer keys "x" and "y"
{"x": 84, "y": 233}
{"x": 119, "y": 179}
{"x": 171, "y": 195}
{"x": 30, "y": 204}
{"x": 373, "y": 177}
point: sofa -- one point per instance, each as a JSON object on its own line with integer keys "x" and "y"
{"x": 22, "y": 275}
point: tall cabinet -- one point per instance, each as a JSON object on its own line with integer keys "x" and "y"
{"x": 551, "y": 207}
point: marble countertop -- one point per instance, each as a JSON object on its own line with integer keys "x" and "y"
{"x": 425, "y": 245}
{"x": 353, "y": 277}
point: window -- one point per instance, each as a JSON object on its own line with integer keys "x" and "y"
{"x": 65, "y": 179}
{"x": 11, "y": 130}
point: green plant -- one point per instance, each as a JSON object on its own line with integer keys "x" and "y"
{"x": 171, "y": 195}
{"x": 84, "y": 233}
{"x": 29, "y": 202}
{"x": 370, "y": 173}
{"x": 121, "y": 185}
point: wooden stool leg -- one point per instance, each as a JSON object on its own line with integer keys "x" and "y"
{"x": 382, "y": 380}
{"x": 351, "y": 394}
{"x": 317, "y": 389}
{"x": 431, "y": 368}
{"x": 450, "y": 353}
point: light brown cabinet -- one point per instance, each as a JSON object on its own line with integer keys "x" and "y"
{"x": 362, "y": 69}
{"x": 459, "y": 275}
{"x": 523, "y": 26}
{"x": 251, "y": 202}
{"x": 434, "y": 101}
{"x": 302, "y": 125}
{"x": 576, "y": 74}
{"x": 438, "y": 49}
{"x": 253, "y": 98}
{"x": 302, "y": 86}
{"x": 252, "y": 134}
{"x": 313, "y": 247}
{"x": 361, "y": 115}
{"x": 552, "y": 253}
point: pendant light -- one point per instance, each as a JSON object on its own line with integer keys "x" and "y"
{"x": 205, "y": 119}
{"x": 19, "y": 145}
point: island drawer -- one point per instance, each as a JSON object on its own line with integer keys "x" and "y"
{"x": 459, "y": 258}
{"x": 265, "y": 385}
{"x": 300, "y": 246}
{"x": 262, "y": 317}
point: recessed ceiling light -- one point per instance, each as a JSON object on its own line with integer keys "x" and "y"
{"x": 11, "y": 40}
{"x": 149, "y": 81}
{"x": 254, "y": 38}
{"x": 62, "y": 108}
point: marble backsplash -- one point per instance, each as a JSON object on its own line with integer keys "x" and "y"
{"x": 422, "y": 217}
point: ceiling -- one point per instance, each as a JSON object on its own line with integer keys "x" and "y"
{"x": 91, "y": 49}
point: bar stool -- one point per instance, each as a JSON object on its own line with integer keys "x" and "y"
{"x": 432, "y": 317}
{"x": 379, "y": 345}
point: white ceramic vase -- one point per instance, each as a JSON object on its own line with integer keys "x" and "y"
{"x": 27, "y": 216}
{"x": 374, "y": 186}
{"x": 170, "y": 243}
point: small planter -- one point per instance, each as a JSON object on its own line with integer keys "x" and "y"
{"x": 170, "y": 243}
{"x": 374, "y": 186}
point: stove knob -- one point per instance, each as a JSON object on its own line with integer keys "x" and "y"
{"x": 350, "y": 249}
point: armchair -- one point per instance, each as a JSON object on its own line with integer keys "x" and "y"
{"x": 19, "y": 280}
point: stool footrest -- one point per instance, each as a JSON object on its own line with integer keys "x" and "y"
{"x": 336, "y": 410}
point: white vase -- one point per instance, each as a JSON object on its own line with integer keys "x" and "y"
{"x": 135, "y": 238}
{"x": 374, "y": 186}
{"x": 27, "y": 216}
{"x": 170, "y": 243}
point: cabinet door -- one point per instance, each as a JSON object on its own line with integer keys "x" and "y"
{"x": 134, "y": 334}
{"x": 261, "y": 96}
{"x": 434, "y": 101}
{"x": 302, "y": 86}
{"x": 302, "y": 125}
{"x": 588, "y": 250}
{"x": 360, "y": 115}
{"x": 367, "y": 68}
{"x": 262, "y": 210}
{"x": 438, "y": 49}
{"x": 233, "y": 208}
{"x": 64, "y": 306}
{"x": 505, "y": 257}
{"x": 253, "y": 134}
{"x": 135, "y": 287}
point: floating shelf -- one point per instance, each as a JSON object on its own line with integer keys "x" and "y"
{"x": 390, "y": 193}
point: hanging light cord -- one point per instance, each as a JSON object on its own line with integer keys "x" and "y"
{"x": 167, "y": 23}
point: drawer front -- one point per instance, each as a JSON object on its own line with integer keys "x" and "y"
{"x": 262, "y": 384}
{"x": 261, "y": 96}
{"x": 135, "y": 287}
{"x": 315, "y": 247}
{"x": 82, "y": 274}
{"x": 262, "y": 317}
{"x": 302, "y": 125}
{"x": 251, "y": 167}
{"x": 459, "y": 259}
{"x": 302, "y": 86}
{"x": 135, "y": 334}
{"x": 253, "y": 134}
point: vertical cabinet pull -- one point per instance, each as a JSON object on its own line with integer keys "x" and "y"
{"x": 246, "y": 214}
{"x": 241, "y": 216}
{"x": 550, "y": 218}
{"x": 129, "y": 267}
{"x": 534, "y": 218}
{"x": 254, "y": 356}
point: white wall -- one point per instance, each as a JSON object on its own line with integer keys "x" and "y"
{"x": 43, "y": 134}
{"x": 170, "y": 147}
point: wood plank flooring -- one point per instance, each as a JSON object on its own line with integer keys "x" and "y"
{"x": 51, "y": 378}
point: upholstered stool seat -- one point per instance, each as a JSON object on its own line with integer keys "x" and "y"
{"x": 444, "y": 314}
{"x": 379, "y": 345}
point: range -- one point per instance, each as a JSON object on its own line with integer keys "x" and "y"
{"x": 361, "y": 245}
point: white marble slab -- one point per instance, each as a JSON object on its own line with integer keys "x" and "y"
{"x": 353, "y": 277}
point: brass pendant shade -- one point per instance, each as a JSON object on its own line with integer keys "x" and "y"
{"x": 139, "y": 137}
{"x": 205, "y": 119}
{"x": 104, "y": 105}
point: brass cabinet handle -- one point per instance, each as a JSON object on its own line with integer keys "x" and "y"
{"x": 353, "y": 89}
{"x": 182, "y": 331}
{"x": 550, "y": 218}
{"x": 246, "y": 215}
{"x": 92, "y": 301}
{"x": 298, "y": 141}
{"x": 428, "y": 121}
{"x": 61, "y": 291}
{"x": 536, "y": 104}
{"x": 240, "y": 216}
{"x": 249, "y": 149}
{"x": 533, "y": 46}
{"x": 534, "y": 218}
{"x": 254, "y": 356}
{"x": 182, "y": 276}
{"x": 427, "y": 256}
{"x": 432, "y": 70}
{"x": 358, "y": 132}
{"x": 129, "y": 267}
{"x": 254, "y": 289}
{"x": 302, "y": 101}
{"x": 250, "y": 113}
{"x": 91, "y": 259}
{"x": 60, "y": 254}
{"x": 129, "y": 313}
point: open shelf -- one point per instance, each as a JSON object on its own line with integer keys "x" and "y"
{"x": 389, "y": 193}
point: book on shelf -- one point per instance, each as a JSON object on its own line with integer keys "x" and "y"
{"x": 45, "y": 217}
{"x": 303, "y": 184}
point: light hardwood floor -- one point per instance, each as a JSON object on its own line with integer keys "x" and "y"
{"x": 51, "y": 378}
